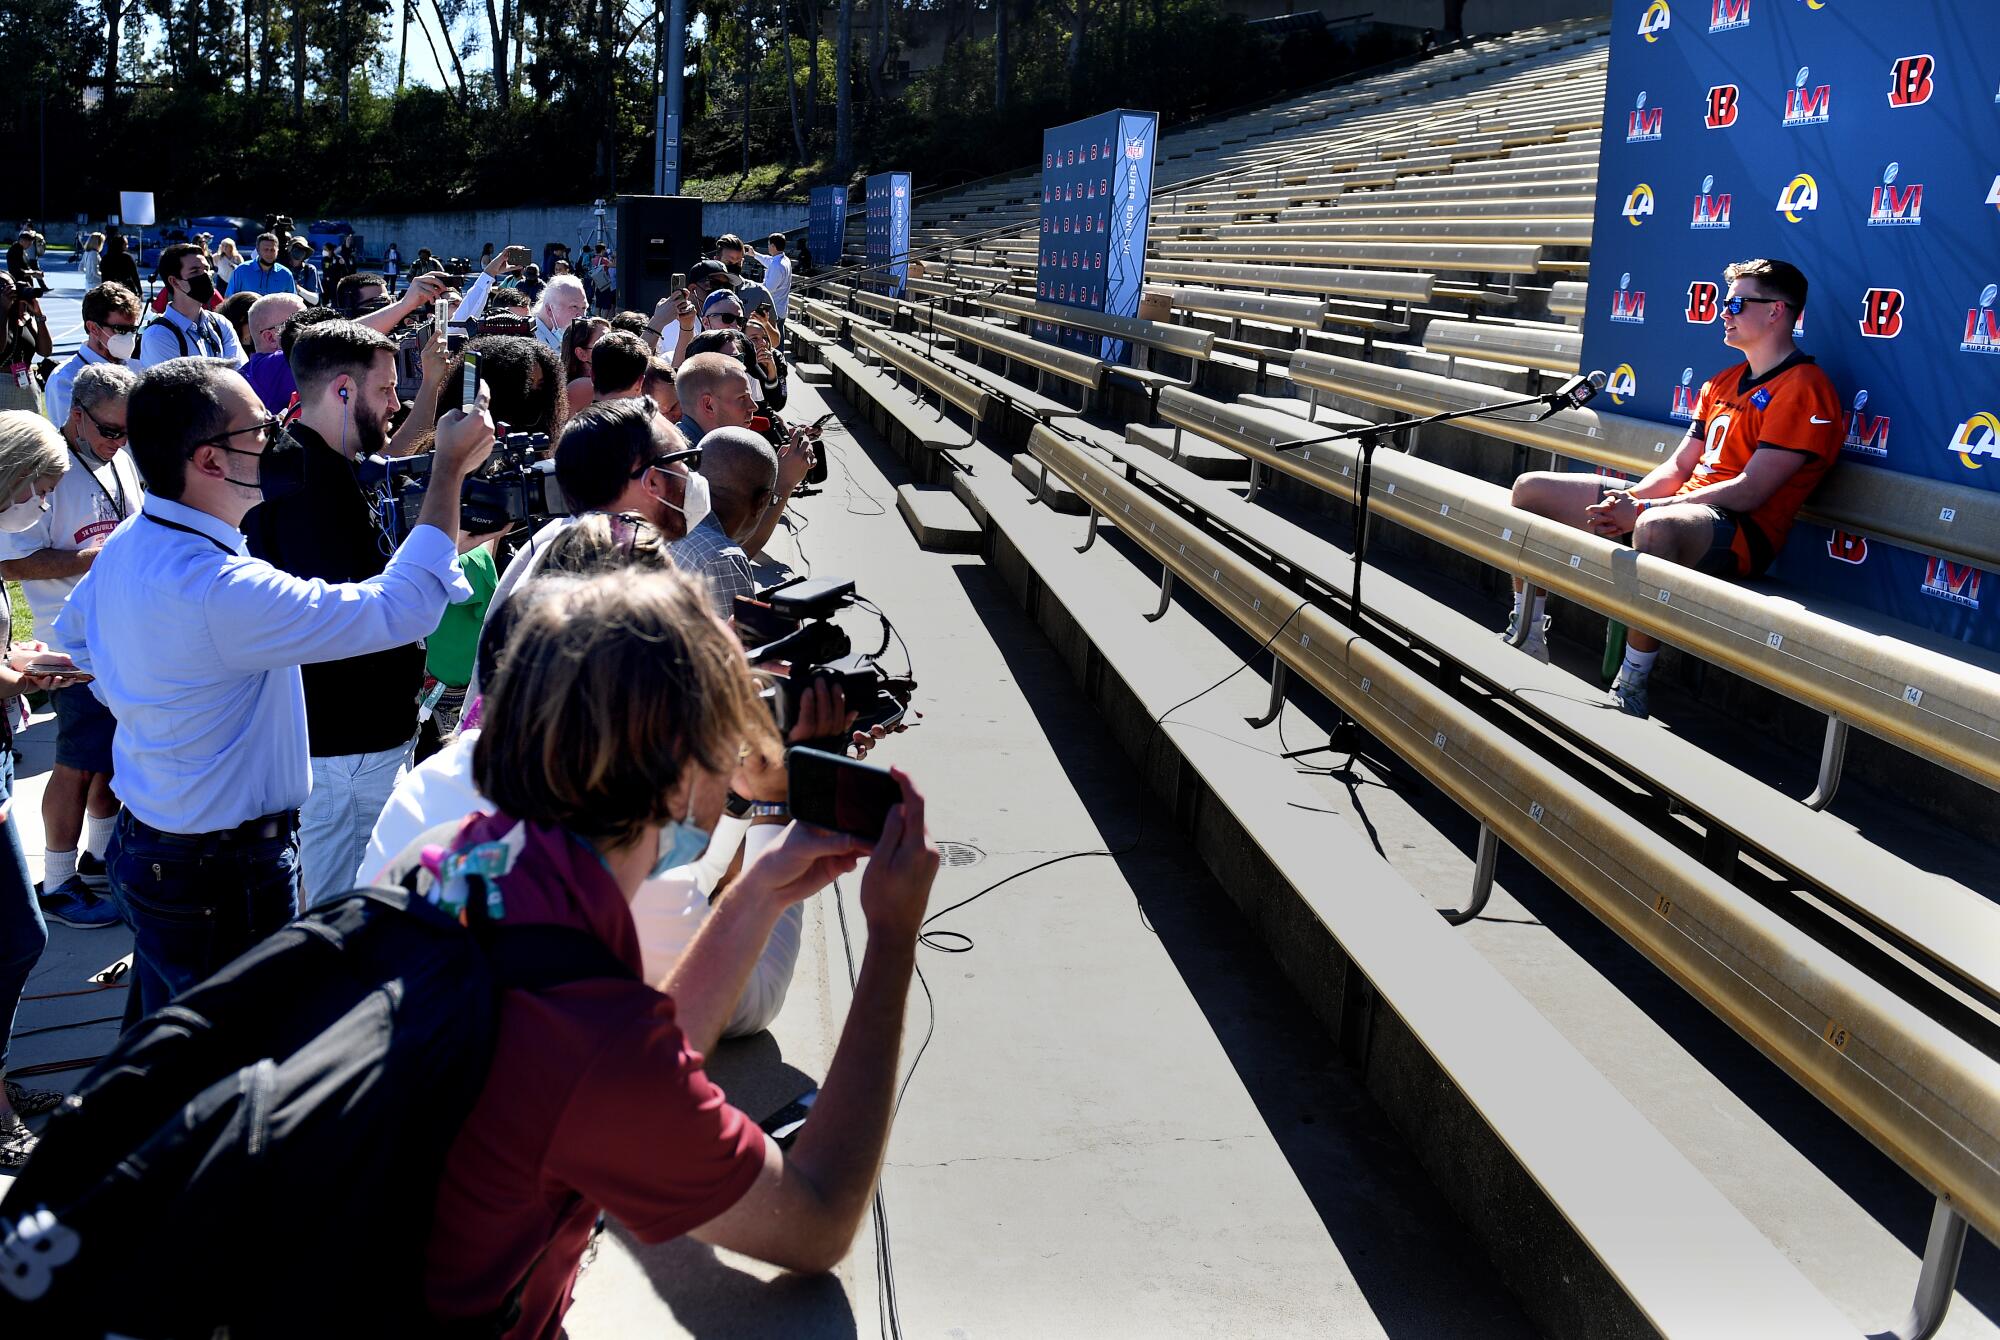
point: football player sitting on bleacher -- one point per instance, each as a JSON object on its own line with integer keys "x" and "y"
{"x": 1764, "y": 432}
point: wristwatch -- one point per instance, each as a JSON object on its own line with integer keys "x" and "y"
{"x": 768, "y": 809}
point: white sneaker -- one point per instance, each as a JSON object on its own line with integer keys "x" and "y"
{"x": 1629, "y": 690}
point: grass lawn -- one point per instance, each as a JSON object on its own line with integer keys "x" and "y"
{"x": 24, "y": 618}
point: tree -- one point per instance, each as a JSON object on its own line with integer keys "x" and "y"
{"x": 791, "y": 78}
{"x": 843, "y": 97}
{"x": 1000, "y": 55}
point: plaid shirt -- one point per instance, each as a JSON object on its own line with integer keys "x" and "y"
{"x": 708, "y": 552}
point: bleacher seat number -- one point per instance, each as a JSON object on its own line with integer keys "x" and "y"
{"x": 1666, "y": 597}
{"x": 1535, "y": 811}
{"x": 1835, "y": 1035}
{"x": 1663, "y": 904}
{"x": 1947, "y": 514}
{"x": 1775, "y": 640}
{"x": 1576, "y": 560}
{"x": 1912, "y": 694}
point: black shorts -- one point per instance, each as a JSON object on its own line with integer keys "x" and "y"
{"x": 1736, "y": 548}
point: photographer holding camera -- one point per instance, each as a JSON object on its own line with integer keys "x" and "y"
{"x": 196, "y": 649}
{"x": 614, "y": 725}
{"x": 361, "y": 711}
{"x": 24, "y": 341}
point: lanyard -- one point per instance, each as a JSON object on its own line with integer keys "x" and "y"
{"x": 117, "y": 500}
{"x": 189, "y": 530}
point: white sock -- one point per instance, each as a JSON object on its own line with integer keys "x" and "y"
{"x": 97, "y": 833}
{"x": 1518, "y": 594}
{"x": 1639, "y": 664}
{"x": 57, "y": 866}
{"x": 1540, "y": 610}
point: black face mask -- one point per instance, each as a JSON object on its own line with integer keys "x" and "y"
{"x": 201, "y": 288}
{"x": 281, "y": 468}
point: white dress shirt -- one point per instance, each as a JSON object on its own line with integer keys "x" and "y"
{"x": 196, "y": 646}
{"x": 207, "y": 336}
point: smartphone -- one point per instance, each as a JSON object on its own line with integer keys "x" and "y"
{"x": 813, "y": 429}
{"x": 468, "y": 384}
{"x": 517, "y": 257}
{"x": 840, "y": 793}
{"x": 678, "y": 284}
{"x": 783, "y": 1126}
{"x": 27, "y": 661}
{"x": 441, "y": 314}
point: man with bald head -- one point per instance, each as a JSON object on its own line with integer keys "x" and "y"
{"x": 714, "y": 391}
{"x": 742, "y": 474}
{"x": 267, "y": 371}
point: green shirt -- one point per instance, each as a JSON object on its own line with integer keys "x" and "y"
{"x": 456, "y": 642}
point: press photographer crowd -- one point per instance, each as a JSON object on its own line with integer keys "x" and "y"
{"x": 428, "y": 709}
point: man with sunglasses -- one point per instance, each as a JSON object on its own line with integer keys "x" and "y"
{"x": 98, "y": 491}
{"x": 1765, "y": 432}
{"x": 110, "y": 335}
{"x": 196, "y": 647}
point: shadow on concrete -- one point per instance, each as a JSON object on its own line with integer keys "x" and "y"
{"x": 1421, "y": 1272}
{"x": 1865, "y": 1174}
{"x": 711, "y": 1298}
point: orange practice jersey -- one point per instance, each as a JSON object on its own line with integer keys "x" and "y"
{"x": 1791, "y": 408}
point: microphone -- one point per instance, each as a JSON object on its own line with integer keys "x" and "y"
{"x": 1575, "y": 393}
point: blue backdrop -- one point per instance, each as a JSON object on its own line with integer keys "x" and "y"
{"x": 1097, "y": 187}
{"x": 827, "y": 232}
{"x": 889, "y": 229}
{"x": 1861, "y": 142}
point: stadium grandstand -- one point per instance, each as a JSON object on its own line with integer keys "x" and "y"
{"x": 1792, "y": 860}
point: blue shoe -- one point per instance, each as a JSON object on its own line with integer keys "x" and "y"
{"x": 1629, "y": 690}
{"x": 74, "y": 904}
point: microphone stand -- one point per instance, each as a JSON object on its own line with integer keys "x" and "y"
{"x": 1370, "y": 436}
{"x": 1345, "y": 737}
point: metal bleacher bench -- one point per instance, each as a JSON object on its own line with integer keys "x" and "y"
{"x": 1544, "y": 347}
{"x": 1433, "y": 257}
{"x": 1934, "y": 697}
{"x": 1907, "y": 1081}
{"x": 1333, "y": 226}
{"x": 1047, "y": 360}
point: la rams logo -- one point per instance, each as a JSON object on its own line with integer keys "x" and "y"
{"x": 1800, "y": 196}
{"x": 1638, "y": 204}
{"x": 1656, "y": 20}
{"x": 1624, "y": 384}
{"x": 1993, "y": 193}
{"x": 1979, "y": 435}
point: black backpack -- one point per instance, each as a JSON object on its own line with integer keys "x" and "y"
{"x": 263, "y": 1153}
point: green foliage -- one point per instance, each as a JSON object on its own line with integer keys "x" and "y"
{"x": 192, "y": 124}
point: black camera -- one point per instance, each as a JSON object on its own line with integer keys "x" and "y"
{"x": 516, "y": 486}
{"x": 792, "y": 623}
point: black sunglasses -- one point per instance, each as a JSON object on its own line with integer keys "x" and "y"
{"x": 1734, "y": 306}
{"x": 270, "y": 428}
{"x": 692, "y": 455}
{"x": 110, "y": 432}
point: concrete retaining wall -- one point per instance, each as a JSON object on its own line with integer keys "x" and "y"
{"x": 464, "y": 232}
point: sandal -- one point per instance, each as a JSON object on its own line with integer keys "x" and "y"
{"x": 33, "y": 1102}
{"x": 17, "y": 1142}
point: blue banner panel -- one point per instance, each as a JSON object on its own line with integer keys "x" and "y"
{"x": 1860, "y": 142}
{"x": 1097, "y": 189}
{"x": 827, "y": 232}
{"x": 889, "y": 230}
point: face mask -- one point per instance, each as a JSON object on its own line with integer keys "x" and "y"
{"x": 681, "y": 842}
{"x": 201, "y": 288}
{"x": 694, "y": 501}
{"x": 17, "y": 517}
{"x": 123, "y": 344}
{"x": 281, "y": 469}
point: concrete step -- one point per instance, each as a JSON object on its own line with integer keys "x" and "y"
{"x": 1058, "y": 495}
{"x": 1198, "y": 454}
{"x": 813, "y": 374}
{"x": 938, "y": 519}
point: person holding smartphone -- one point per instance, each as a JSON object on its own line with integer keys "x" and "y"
{"x": 597, "y": 1099}
{"x": 33, "y": 460}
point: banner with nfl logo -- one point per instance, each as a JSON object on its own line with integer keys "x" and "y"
{"x": 1862, "y": 144}
{"x": 1097, "y": 188}
{"x": 889, "y": 231}
{"x": 826, "y": 232}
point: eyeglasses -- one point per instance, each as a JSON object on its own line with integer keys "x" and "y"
{"x": 110, "y": 432}
{"x": 116, "y": 330}
{"x": 270, "y": 428}
{"x": 724, "y": 318}
{"x": 692, "y": 455}
{"x": 1734, "y": 306}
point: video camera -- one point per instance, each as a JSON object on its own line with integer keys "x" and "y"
{"x": 515, "y": 486}
{"x": 792, "y": 622}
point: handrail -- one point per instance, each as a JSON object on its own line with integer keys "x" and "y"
{"x": 1926, "y": 1097}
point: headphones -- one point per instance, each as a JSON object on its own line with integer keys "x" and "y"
{"x": 342, "y": 393}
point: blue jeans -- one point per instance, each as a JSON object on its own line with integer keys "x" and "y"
{"x": 23, "y": 933}
{"x": 349, "y": 793}
{"x": 196, "y": 902}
